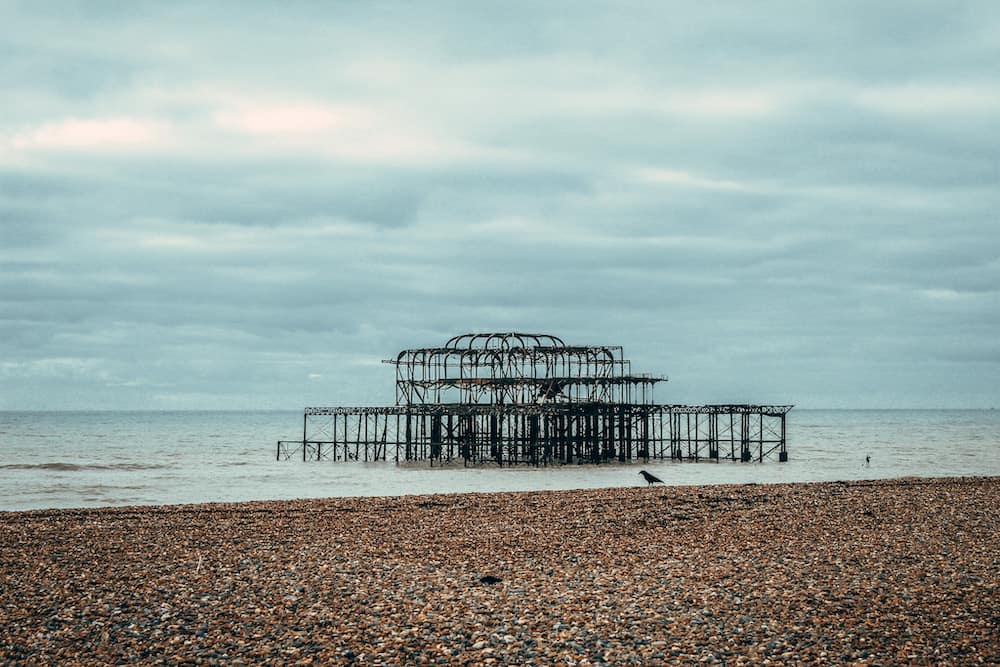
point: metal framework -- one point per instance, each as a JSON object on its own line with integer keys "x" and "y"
{"x": 516, "y": 398}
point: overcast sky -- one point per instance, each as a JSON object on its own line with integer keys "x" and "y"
{"x": 249, "y": 205}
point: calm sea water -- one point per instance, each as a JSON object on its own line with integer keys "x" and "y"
{"x": 87, "y": 459}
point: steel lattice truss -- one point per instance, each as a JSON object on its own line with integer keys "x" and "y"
{"x": 513, "y": 398}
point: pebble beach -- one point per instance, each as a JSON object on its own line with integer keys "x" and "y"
{"x": 866, "y": 572}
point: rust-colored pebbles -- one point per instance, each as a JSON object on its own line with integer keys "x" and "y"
{"x": 866, "y": 573}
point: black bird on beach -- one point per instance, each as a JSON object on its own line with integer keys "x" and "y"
{"x": 650, "y": 479}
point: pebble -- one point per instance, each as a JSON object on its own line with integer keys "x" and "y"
{"x": 873, "y": 572}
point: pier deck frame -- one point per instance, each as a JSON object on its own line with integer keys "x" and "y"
{"x": 544, "y": 434}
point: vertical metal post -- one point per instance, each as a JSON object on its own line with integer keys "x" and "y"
{"x": 760, "y": 435}
{"x": 305, "y": 417}
{"x": 783, "y": 453}
{"x": 745, "y": 437}
{"x": 732, "y": 437}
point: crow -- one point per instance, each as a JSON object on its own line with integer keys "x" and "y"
{"x": 650, "y": 479}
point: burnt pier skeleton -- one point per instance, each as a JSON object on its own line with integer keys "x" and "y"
{"x": 516, "y": 398}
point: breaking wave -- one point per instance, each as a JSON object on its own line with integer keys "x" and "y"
{"x": 71, "y": 467}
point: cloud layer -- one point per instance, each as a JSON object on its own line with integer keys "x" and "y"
{"x": 205, "y": 206}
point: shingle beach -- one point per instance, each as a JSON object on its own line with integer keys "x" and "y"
{"x": 874, "y": 573}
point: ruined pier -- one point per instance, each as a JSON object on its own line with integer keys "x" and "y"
{"x": 515, "y": 398}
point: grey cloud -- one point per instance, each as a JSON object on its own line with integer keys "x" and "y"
{"x": 35, "y": 185}
{"x": 826, "y": 249}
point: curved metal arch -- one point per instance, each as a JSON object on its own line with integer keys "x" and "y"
{"x": 503, "y": 340}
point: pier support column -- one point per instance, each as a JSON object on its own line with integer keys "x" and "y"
{"x": 782, "y": 453}
{"x": 713, "y": 436}
{"x": 745, "y": 455}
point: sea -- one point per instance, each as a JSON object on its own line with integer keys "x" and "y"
{"x": 97, "y": 459}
